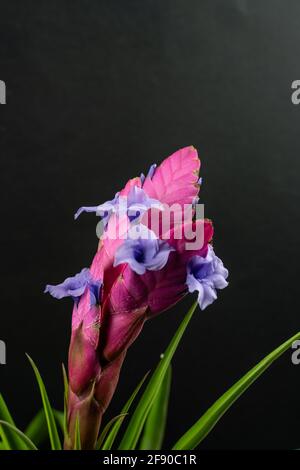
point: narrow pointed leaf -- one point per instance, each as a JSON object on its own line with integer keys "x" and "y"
{"x": 195, "y": 435}
{"x": 27, "y": 442}
{"x": 77, "y": 443}
{"x": 116, "y": 426}
{"x": 155, "y": 425}
{"x": 59, "y": 418}
{"x": 66, "y": 394}
{"x": 107, "y": 429}
{"x": 10, "y": 439}
{"x": 52, "y": 428}
{"x": 136, "y": 424}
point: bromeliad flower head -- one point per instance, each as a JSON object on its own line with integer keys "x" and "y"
{"x": 75, "y": 287}
{"x": 143, "y": 251}
{"x": 206, "y": 275}
{"x": 144, "y": 272}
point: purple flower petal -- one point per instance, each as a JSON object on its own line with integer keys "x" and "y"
{"x": 151, "y": 171}
{"x": 75, "y": 287}
{"x": 142, "y": 178}
{"x": 95, "y": 290}
{"x": 103, "y": 210}
{"x": 143, "y": 251}
{"x": 206, "y": 275}
{"x": 135, "y": 205}
{"x": 208, "y": 296}
{"x": 128, "y": 252}
{"x": 85, "y": 209}
{"x": 138, "y": 202}
{"x": 161, "y": 257}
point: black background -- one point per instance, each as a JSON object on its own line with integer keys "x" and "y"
{"x": 96, "y": 92}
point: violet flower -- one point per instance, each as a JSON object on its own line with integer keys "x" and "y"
{"x": 206, "y": 275}
{"x": 143, "y": 251}
{"x": 104, "y": 210}
{"x": 102, "y": 334}
{"x": 75, "y": 286}
{"x": 134, "y": 204}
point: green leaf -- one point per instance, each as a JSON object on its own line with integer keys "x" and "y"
{"x": 195, "y": 435}
{"x": 66, "y": 395}
{"x": 52, "y": 429}
{"x": 28, "y": 444}
{"x": 77, "y": 443}
{"x": 107, "y": 429}
{"x": 136, "y": 424}
{"x": 37, "y": 429}
{"x": 59, "y": 417}
{"x": 155, "y": 426}
{"x": 116, "y": 427}
{"x": 10, "y": 440}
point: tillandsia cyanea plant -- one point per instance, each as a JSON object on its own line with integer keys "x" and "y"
{"x": 151, "y": 253}
{"x": 155, "y": 247}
